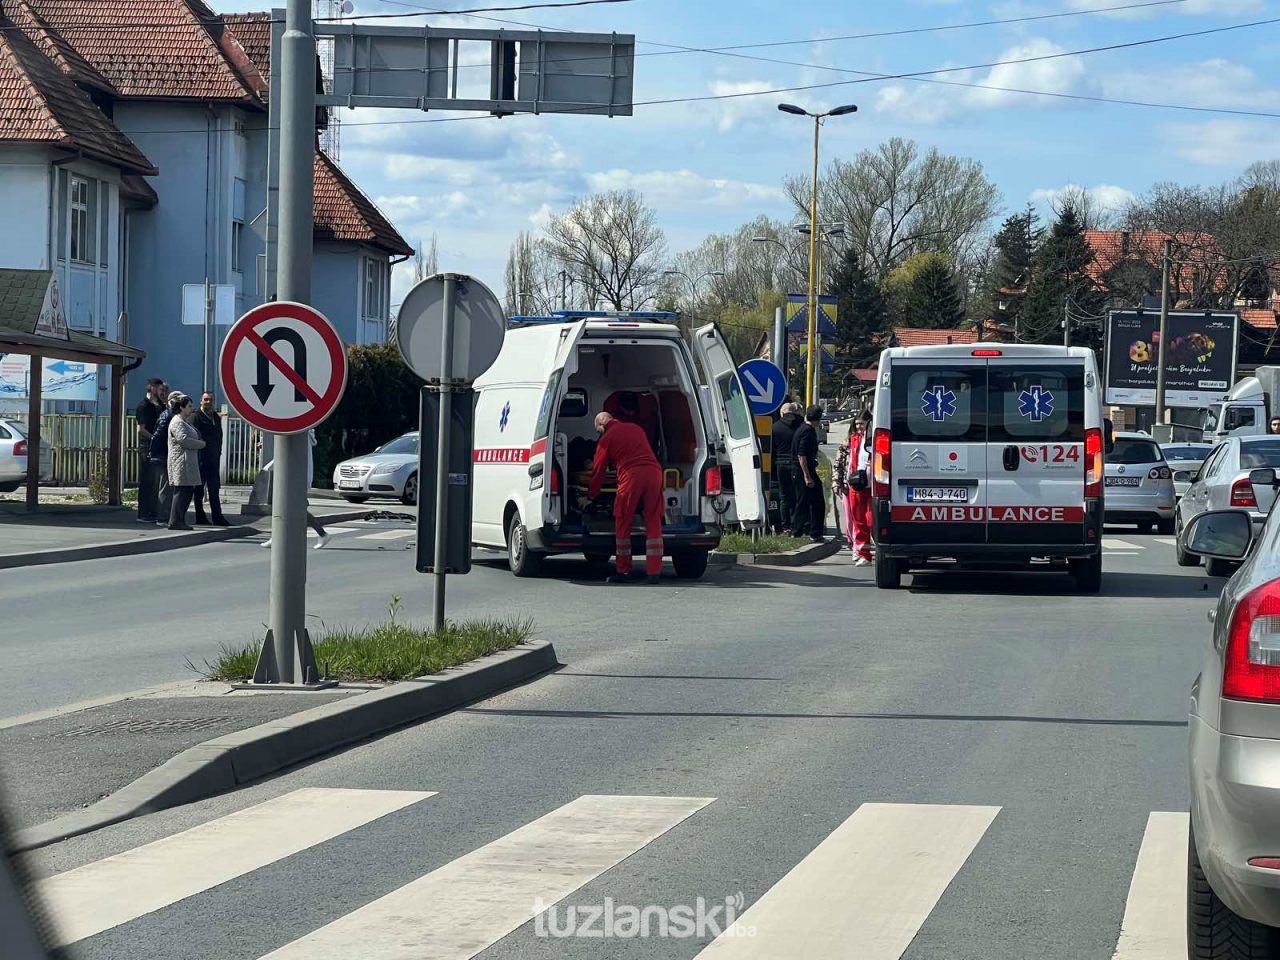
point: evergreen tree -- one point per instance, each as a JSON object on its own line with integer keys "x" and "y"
{"x": 862, "y": 315}
{"x": 1059, "y": 278}
{"x": 925, "y": 292}
{"x": 1016, "y": 245}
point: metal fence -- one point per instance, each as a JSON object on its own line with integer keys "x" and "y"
{"x": 80, "y": 440}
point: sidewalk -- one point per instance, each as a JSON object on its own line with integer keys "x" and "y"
{"x": 66, "y": 531}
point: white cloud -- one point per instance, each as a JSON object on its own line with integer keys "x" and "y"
{"x": 1207, "y": 83}
{"x": 1108, "y": 197}
{"x": 730, "y": 112}
{"x": 680, "y": 189}
{"x": 399, "y": 206}
{"x": 925, "y": 103}
{"x": 1221, "y": 143}
{"x": 1189, "y": 8}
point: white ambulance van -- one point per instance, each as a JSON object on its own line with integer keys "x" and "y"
{"x": 988, "y": 455}
{"x": 535, "y": 437}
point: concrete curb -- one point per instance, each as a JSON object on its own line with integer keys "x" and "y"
{"x": 226, "y": 762}
{"x": 136, "y": 547}
{"x": 809, "y": 553}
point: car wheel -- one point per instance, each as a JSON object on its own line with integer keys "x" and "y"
{"x": 1165, "y": 527}
{"x": 690, "y": 564}
{"x": 1088, "y": 573}
{"x": 1214, "y": 932}
{"x": 354, "y": 499}
{"x": 522, "y": 561}
{"x": 888, "y": 572}
{"x": 1216, "y": 567}
{"x": 410, "y": 496}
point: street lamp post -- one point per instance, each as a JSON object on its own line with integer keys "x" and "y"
{"x": 815, "y": 369}
{"x": 811, "y": 380}
{"x": 693, "y": 284}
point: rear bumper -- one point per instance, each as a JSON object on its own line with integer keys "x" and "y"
{"x": 1235, "y": 812}
{"x": 1139, "y": 506}
{"x": 553, "y": 540}
{"x": 997, "y": 553}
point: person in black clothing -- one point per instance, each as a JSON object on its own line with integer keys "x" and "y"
{"x": 811, "y": 508}
{"x": 146, "y": 414}
{"x": 784, "y": 464}
{"x": 209, "y": 423}
{"x": 159, "y": 453}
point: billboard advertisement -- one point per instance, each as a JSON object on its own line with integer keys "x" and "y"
{"x": 63, "y": 379}
{"x": 1199, "y": 362}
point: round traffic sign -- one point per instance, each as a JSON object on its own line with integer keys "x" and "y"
{"x": 283, "y": 367}
{"x": 765, "y": 385}
{"x": 479, "y": 327}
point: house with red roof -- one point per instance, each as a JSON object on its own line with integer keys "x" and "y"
{"x": 134, "y": 147}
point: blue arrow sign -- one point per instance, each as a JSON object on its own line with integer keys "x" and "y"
{"x": 765, "y": 384}
{"x": 63, "y": 367}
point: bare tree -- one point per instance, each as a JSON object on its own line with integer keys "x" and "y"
{"x": 895, "y": 203}
{"x": 738, "y": 269}
{"x": 613, "y": 243}
{"x": 426, "y": 260}
{"x": 532, "y": 278}
{"x": 1088, "y": 210}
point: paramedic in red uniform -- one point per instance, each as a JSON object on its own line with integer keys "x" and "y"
{"x": 625, "y": 448}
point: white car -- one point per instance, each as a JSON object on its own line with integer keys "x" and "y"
{"x": 390, "y": 471}
{"x": 1223, "y": 483}
{"x": 13, "y": 456}
{"x": 1184, "y": 460}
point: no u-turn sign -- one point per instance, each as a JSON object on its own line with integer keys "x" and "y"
{"x": 283, "y": 367}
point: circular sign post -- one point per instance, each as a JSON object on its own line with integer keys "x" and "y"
{"x": 479, "y": 327}
{"x": 283, "y": 367}
{"x": 765, "y": 385}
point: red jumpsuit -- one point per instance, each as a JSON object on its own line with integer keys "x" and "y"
{"x": 625, "y": 447}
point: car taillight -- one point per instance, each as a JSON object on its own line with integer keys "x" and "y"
{"x": 1242, "y": 494}
{"x": 1252, "y": 669}
{"x": 20, "y": 448}
{"x": 555, "y": 482}
{"x": 1160, "y": 473}
{"x": 882, "y": 462}
{"x": 1093, "y": 462}
{"x": 712, "y": 481}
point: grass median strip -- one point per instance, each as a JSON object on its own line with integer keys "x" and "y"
{"x": 387, "y": 651}
{"x": 773, "y": 543}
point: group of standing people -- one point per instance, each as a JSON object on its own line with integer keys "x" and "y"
{"x": 802, "y": 507}
{"x": 179, "y": 453}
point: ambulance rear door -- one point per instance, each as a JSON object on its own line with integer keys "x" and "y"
{"x": 733, "y": 415}
{"x": 547, "y": 448}
{"x": 938, "y": 450}
{"x": 1035, "y": 453}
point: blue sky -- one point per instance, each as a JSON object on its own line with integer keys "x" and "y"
{"x": 710, "y": 166}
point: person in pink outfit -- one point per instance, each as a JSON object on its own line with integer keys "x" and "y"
{"x": 858, "y": 501}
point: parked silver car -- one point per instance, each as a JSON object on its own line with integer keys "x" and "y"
{"x": 1184, "y": 460}
{"x": 1233, "y": 863}
{"x": 13, "y": 456}
{"x": 1222, "y": 483}
{"x": 1138, "y": 484}
{"x": 390, "y": 471}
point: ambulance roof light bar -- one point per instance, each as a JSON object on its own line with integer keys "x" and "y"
{"x": 568, "y": 316}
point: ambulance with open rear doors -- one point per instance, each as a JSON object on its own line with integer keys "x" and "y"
{"x": 988, "y": 455}
{"x": 534, "y": 436}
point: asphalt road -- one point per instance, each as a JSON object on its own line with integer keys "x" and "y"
{"x": 965, "y": 768}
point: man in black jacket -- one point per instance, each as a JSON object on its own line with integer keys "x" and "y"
{"x": 784, "y": 464}
{"x": 811, "y": 507}
{"x": 159, "y": 454}
{"x": 146, "y": 416}
{"x": 209, "y": 422}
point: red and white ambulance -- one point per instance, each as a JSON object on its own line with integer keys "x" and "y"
{"x": 988, "y": 455}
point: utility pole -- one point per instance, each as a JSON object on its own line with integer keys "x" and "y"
{"x": 810, "y": 387}
{"x": 780, "y": 339}
{"x": 1161, "y": 413}
{"x": 297, "y": 79}
{"x": 1066, "y": 320}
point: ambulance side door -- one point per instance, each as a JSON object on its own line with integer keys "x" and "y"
{"x": 737, "y": 428}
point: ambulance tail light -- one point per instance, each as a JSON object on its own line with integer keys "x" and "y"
{"x": 1093, "y": 462}
{"x": 712, "y": 482}
{"x": 1252, "y": 670}
{"x": 1242, "y": 494}
{"x": 882, "y": 462}
{"x": 555, "y": 482}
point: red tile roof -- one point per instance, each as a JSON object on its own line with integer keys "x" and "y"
{"x": 253, "y": 31}
{"x": 39, "y": 103}
{"x": 1113, "y": 247}
{"x": 1260, "y": 318}
{"x": 344, "y": 213}
{"x": 168, "y": 49}
{"x": 865, "y": 374}
{"x": 921, "y": 337}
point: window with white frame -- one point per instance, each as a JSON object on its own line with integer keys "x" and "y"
{"x": 83, "y": 228}
{"x": 375, "y": 280}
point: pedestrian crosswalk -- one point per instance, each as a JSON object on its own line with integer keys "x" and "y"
{"x": 864, "y": 891}
{"x": 1136, "y": 544}
{"x": 358, "y": 535}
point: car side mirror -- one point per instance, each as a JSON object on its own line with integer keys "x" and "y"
{"x": 1108, "y": 436}
{"x": 1263, "y": 476}
{"x": 1223, "y": 534}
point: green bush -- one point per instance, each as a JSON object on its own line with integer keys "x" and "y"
{"x": 380, "y": 403}
{"x": 99, "y": 491}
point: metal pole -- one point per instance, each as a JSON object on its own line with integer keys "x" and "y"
{"x": 1066, "y": 321}
{"x": 1161, "y": 414}
{"x": 442, "y": 449}
{"x": 780, "y": 339}
{"x": 816, "y": 366}
{"x": 297, "y": 171}
{"x": 813, "y": 279}
{"x": 208, "y": 317}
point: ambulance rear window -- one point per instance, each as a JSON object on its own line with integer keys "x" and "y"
{"x": 548, "y": 404}
{"x": 1036, "y": 402}
{"x": 932, "y": 403}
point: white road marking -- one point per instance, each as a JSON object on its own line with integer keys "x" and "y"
{"x": 1155, "y": 912}
{"x": 1167, "y": 541}
{"x": 864, "y": 892}
{"x": 1113, "y": 543}
{"x": 457, "y": 911}
{"x": 387, "y": 535}
{"x": 101, "y": 895}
